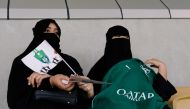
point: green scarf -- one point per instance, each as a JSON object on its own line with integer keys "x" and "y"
{"x": 131, "y": 88}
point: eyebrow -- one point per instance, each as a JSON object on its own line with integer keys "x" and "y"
{"x": 53, "y": 28}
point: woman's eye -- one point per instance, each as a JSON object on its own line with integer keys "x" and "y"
{"x": 47, "y": 31}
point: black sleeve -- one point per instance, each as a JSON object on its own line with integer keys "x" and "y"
{"x": 19, "y": 92}
{"x": 83, "y": 99}
{"x": 97, "y": 73}
{"x": 166, "y": 107}
{"x": 164, "y": 88}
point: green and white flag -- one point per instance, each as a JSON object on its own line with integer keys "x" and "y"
{"x": 43, "y": 58}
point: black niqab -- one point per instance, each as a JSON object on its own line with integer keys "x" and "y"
{"x": 39, "y": 36}
{"x": 116, "y": 50}
{"x": 51, "y": 38}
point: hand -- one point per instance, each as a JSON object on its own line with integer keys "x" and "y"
{"x": 88, "y": 87}
{"x": 56, "y": 81}
{"x": 35, "y": 79}
{"x": 162, "y": 69}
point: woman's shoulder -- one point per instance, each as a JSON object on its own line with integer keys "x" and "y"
{"x": 72, "y": 62}
{"x": 68, "y": 57}
{"x": 17, "y": 59}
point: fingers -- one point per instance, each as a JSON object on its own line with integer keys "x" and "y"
{"x": 57, "y": 81}
{"x": 69, "y": 86}
{"x": 150, "y": 61}
{"x": 85, "y": 86}
{"x": 35, "y": 79}
{"x": 40, "y": 77}
{"x": 154, "y": 62}
{"x": 38, "y": 80}
{"x": 88, "y": 87}
{"x": 62, "y": 82}
{"x": 31, "y": 79}
{"x": 162, "y": 69}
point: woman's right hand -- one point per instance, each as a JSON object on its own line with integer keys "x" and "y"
{"x": 57, "y": 81}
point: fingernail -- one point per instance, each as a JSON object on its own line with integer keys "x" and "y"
{"x": 65, "y": 81}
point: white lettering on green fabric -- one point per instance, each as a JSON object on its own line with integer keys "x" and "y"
{"x": 134, "y": 95}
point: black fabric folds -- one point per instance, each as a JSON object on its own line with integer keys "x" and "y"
{"x": 51, "y": 38}
{"x": 116, "y": 50}
{"x": 42, "y": 25}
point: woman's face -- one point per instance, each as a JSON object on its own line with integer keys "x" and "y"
{"x": 52, "y": 28}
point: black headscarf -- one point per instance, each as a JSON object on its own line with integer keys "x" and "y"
{"x": 116, "y": 50}
{"x": 116, "y": 31}
{"x": 40, "y": 36}
{"x": 20, "y": 94}
{"x": 42, "y": 25}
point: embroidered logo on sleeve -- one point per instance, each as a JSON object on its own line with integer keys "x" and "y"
{"x": 146, "y": 70}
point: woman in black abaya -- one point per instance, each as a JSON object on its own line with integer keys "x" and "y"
{"x": 23, "y": 81}
{"x": 118, "y": 48}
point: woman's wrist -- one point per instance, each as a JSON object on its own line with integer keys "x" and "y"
{"x": 163, "y": 71}
{"x": 90, "y": 93}
{"x": 51, "y": 81}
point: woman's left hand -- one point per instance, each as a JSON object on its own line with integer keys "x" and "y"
{"x": 88, "y": 87}
{"x": 35, "y": 79}
{"x": 162, "y": 69}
